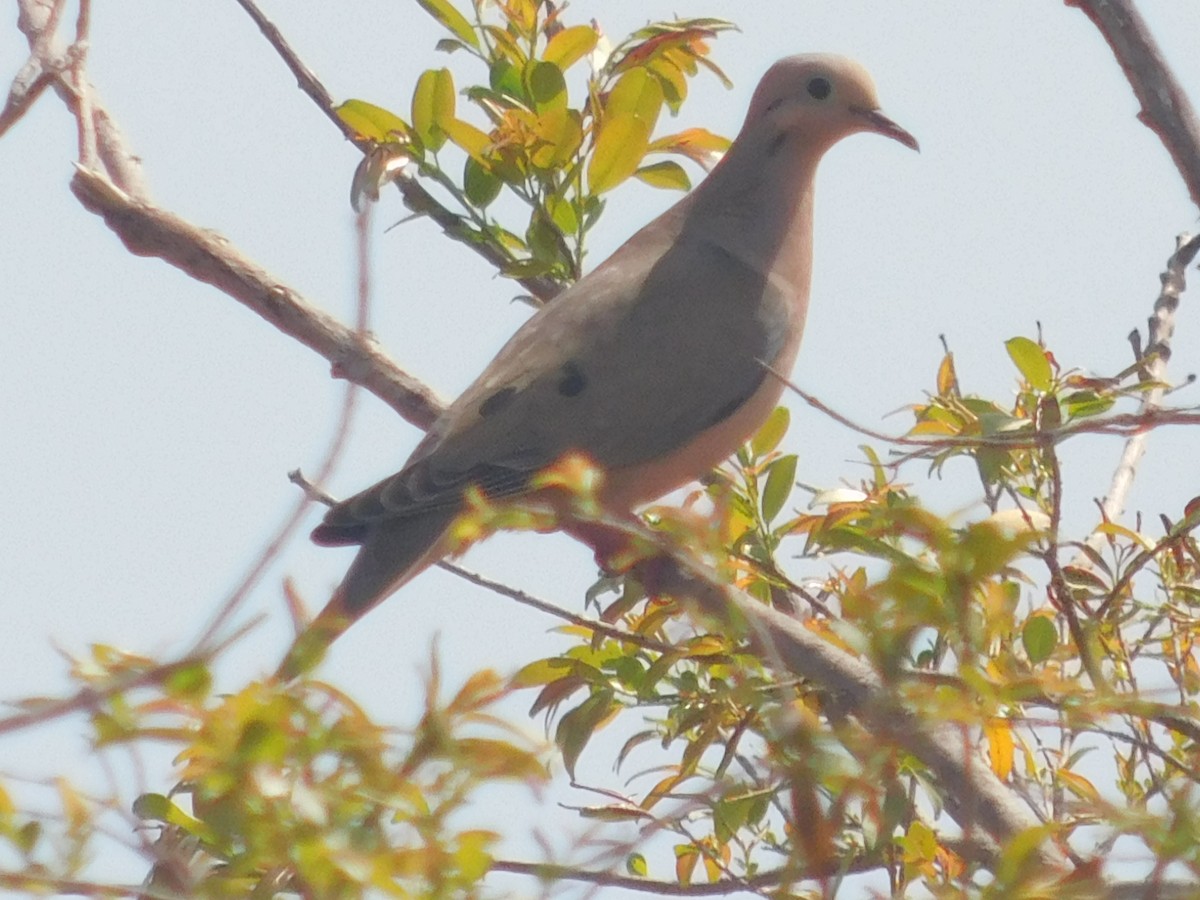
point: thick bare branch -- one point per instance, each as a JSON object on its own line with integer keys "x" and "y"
{"x": 147, "y": 230}
{"x": 975, "y": 796}
{"x": 1166, "y": 109}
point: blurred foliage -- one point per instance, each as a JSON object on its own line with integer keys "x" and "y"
{"x": 561, "y": 118}
{"x": 1068, "y": 661}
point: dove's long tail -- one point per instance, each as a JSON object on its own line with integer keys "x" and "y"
{"x": 392, "y": 553}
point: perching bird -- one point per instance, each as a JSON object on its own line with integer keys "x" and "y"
{"x": 652, "y": 365}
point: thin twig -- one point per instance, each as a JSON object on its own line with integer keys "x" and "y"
{"x": 553, "y": 872}
{"x": 1120, "y": 425}
{"x": 333, "y": 454}
{"x": 617, "y": 634}
{"x": 787, "y": 644}
{"x": 84, "y": 114}
{"x": 1135, "y": 565}
{"x": 416, "y": 198}
{"x": 90, "y": 697}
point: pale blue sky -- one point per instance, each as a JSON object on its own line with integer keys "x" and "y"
{"x": 149, "y": 421}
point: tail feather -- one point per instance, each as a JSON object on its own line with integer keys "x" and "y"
{"x": 393, "y": 551}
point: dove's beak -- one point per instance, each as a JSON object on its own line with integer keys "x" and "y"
{"x": 877, "y": 122}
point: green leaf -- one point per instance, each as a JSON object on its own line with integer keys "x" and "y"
{"x": 559, "y": 133}
{"x": 505, "y": 78}
{"x": 433, "y": 104}
{"x": 1039, "y": 637}
{"x": 468, "y": 138}
{"x": 480, "y": 185}
{"x": 159, "y": 808}
{"x": 636, "y": 93}
{"x": 1031, "y": 361}
{"x": 570, "y": 45}
{"x": 546, "y": 86}
{"x": 781, "y": 478}
{"x": 371, "y": 121}
{"x": 562, "y": 213}
{"x": 635, "y": 864}
{"x": 619, "y": 149}
{"x": 771, "y": 433}
{"x": 575, "y": 729}
{"x": 1082, "y": 404}
{"x": 665, "y": 174}
{"x": 190, "y": 681}
{"x": 452, "y": 20}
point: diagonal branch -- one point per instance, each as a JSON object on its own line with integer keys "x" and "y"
{"x": 1166, "y": 109}
{"x": 975, "y": 797}
{"x": 416, "y": 198}
{"x": 147, "y": 230}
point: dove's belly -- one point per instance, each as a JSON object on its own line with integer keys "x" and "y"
{"x": 634, "y": 485}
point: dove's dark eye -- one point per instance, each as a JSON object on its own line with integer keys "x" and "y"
{"x": 819, "y": 88}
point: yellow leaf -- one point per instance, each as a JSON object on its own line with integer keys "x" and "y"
{"x": 570, "y": 45}
{"x": 665, "y": 174}
{"x": 543, "y": 671}
{"x": 433, "y": 104}
{"x": 947, "y": 378}
{"x": 454, "y": 21}
{"x": 1078, "y": 785}
{"x": 619, "y": 149}
{"x": 686, "y": 857}
{"x": 371, "y": 121}
{"x": 660, "y": 790}
{"x": 469, "y": 139}
{"x": 636, "y": 94}
{"x": 1000, "y": 746}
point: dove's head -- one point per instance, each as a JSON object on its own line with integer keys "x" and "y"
{"x": 823, "y": 98}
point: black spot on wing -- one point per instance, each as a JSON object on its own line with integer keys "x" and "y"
{"x": 573, "y": 381}
{"x": 497, "y": 401}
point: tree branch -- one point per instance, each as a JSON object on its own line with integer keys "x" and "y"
{"x": 147, "y": 230}
{"x": 1165, "y": 107}
{"x": 1158, "y": 351}
{"x": 975, "y": 796}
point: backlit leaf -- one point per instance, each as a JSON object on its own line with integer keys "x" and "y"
{"x": 370, "y": 121}
{"x": 619, "y": 149}
{"x": 1000, "y": 746}
{"x": 1039, "y": 637}
{"x": 433, "y": 104}
{"x": 546, "y": 87}
{"x": 570, "y": 45}
{"x": 781, "y": 478}
{"x": 468, "y": 138}
{"x": 452, "y": 20}
{"x": 1031, "y": 362}
{"x": 772, "y": 432}
{"x": 665, "y": 174}
{"x": 638, "y": 94}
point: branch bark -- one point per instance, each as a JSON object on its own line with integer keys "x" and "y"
{"x": 975, "y": 797}
{"x": 1166, "y": 109}
{"x": 147, "y": 230}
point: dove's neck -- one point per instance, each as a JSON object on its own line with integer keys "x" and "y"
{"x": 757, "y": 205}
